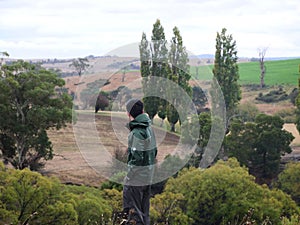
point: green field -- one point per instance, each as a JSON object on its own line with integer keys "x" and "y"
{"x": 277, "y": 72}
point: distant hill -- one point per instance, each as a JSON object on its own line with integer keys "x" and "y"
{"x": 203, "y": 56}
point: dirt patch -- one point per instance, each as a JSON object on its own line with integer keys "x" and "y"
{"x": 290, "y": 127}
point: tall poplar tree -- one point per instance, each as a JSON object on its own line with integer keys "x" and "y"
{"x": 226, "y": 70}
{"x": 178, "y": 58}
{"x": 146, "y": 75}
{"x": 154, "y": 65}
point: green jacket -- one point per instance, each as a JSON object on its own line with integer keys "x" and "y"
{"x": 142, "y": 149}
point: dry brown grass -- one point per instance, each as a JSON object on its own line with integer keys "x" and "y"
{"x": 70, "y": 166}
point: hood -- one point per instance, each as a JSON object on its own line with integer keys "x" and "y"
{"x": 141, "y": 120}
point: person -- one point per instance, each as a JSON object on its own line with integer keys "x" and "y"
{"x": 142, "y": 151}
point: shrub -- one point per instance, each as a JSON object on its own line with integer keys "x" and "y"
{"x": 224, "y": 193}
{"x": 273, "y": 96}
{"x": 287, "y": 114}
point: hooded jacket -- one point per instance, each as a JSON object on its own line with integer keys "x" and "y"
{"x": 142, "y": 150}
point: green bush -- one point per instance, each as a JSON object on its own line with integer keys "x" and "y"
{"x": 29, "y": 196}
{"x": 288, "y": 181}
{"x": 287, "y": 114}
{"x": 225, "y": 192}
{"x": 273, "y": 96}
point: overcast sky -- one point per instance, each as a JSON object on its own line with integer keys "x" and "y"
{"x": 77, "y": 28}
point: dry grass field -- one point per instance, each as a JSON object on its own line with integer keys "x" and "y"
{"x": 69, "y": 163}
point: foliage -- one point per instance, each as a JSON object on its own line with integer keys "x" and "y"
{"x": 205, "y": 131}
{"x": 114, "y": 197}
{"x": 102, "y": 101}
{"x": 115, "y": 182}
{"x": 172, "y": 116}
{"x": 166, "y": 208}
{"x": 80, "y": 65}
{"x": 259, "y": 145}
{"x": 287, "y": 114}
{"x": 179, "y": 74}
{"x": 88, "y": 96}
{"x": 89, "y": 204}
{"x": 294, "y": 220}
{"x": 29, "y": 197}
{"x": 226, "y": 69}
{"x": 225, "y": 192}
{"x": 247, "y": 111}
{"x": 288, "y": 181}
{"x": 273, "y": 96}
{"x": 4, "y": 54}
{"x": 199, "y": 99}
{"x": 119, "y": 97}
{"x": 157, "y": 64}
{"x": 153, "y": 66}
{"x": 203, "y": 123}
{"x": 1, "y": 59}
{"x": 293, "y": 95}
{"x": 29, "y": 106}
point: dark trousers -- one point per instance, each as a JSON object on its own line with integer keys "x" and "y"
{"x": 136, "y": 201}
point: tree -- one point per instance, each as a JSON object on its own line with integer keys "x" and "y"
{"x": 80, "y": 65}
{"x": 224, "y": 193}
{"x": 102, "y": 101}
{"x": 178, "y": 58}
{"x": 154, "y": 65}
{"x": 262, "y": 53}
{"x": 89, "y": 203}
{"x": 247, "y": 111}
{"x": 199, "y": 99}
{"x": 88, "y": 96}
{"x": 125, "y": 69}
{"x": 226, "y": 70}
{"x": 202, "y": 122}
{"x": 3, "y": 54}
{"x": 29, "y": 106}
{"x": 259, "y": 145}
{"x": 29, "y": 198}
{"x": 1, "y": 60}
{"x": 288, "y": 181}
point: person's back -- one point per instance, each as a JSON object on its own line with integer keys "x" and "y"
{"x": 142, "y": 151}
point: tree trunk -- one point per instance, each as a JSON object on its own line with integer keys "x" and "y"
{"x": 172, "y": 127}
{"x": 262, "y": 75}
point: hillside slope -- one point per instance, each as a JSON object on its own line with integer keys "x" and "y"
{"x": 69, "y": 164}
